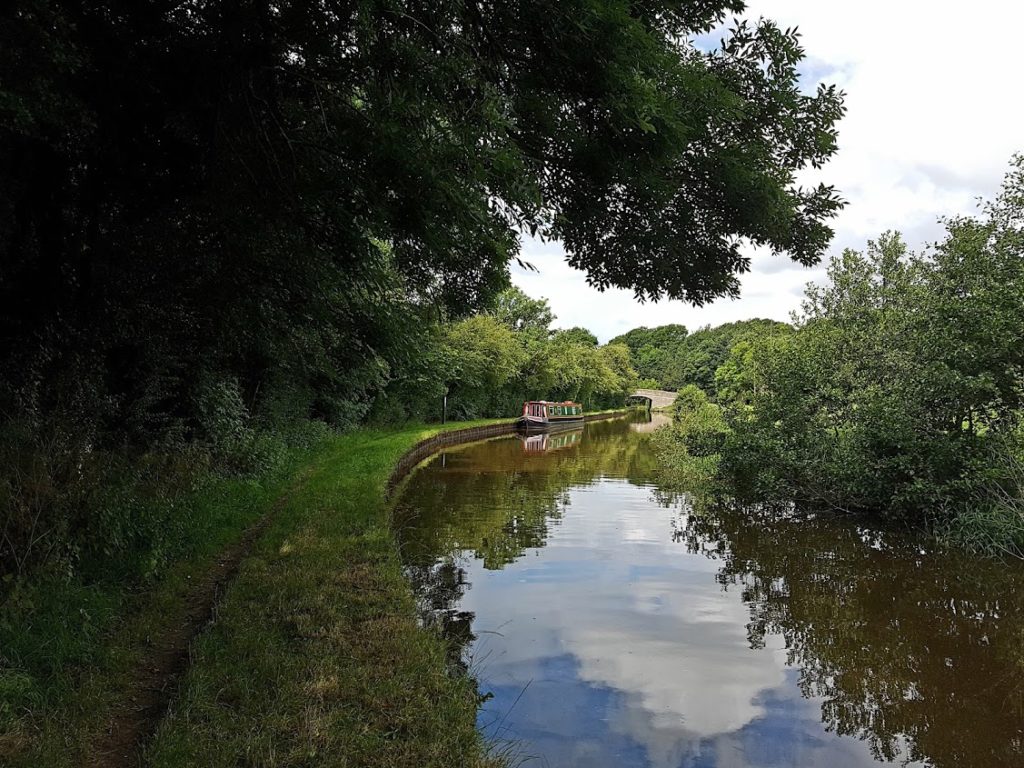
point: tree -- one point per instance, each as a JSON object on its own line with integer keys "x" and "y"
{"x": 690, "y": 448}
{"x": 899, "y": 393}
{"x": 624, "y": 377}
{"x": 706, "y": 349}
{"x": 577, "y": 335}
{"x": 482, "y": 357}
{"x": 653, "y": 349}
{"x": 736, "y": 378}
{"x": 521, "y": 313}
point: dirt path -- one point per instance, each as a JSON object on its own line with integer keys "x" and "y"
{"x": 133, "y": 720}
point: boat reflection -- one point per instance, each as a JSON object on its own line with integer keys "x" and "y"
{"x": 542, "y": 442}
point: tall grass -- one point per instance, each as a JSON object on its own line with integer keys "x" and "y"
{"x": 993, "y": 523}
{"x": 99, "y": 550}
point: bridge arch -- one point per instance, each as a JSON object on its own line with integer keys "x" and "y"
{"x": 639, "y": 399}
{"x": 656, "y": 398}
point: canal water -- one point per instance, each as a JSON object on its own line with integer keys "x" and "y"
{"x": 608, "y": 623}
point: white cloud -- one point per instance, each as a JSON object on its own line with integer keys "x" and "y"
{"x": 672, "y": 644}
{"x": 934, "y": 115}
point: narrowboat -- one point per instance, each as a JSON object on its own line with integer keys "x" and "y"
{"x": 543, "y": 414}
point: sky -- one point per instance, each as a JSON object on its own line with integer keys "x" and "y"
{"x": 935, "y": 110}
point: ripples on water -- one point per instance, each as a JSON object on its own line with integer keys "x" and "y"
{"x": 609, "y": 625}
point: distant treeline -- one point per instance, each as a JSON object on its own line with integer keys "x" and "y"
{"x": 489, "y": 363}
{"x": 668, "y": 357}
{"x": 898, "y": 392}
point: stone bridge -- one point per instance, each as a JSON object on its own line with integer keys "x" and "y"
{"x": 658, "y": 398}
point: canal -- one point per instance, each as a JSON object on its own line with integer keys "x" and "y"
{"x": 608, "y": 623}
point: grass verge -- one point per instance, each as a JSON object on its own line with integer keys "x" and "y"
{"x": 315, "y": 657}
{"x": 68, "y": 645}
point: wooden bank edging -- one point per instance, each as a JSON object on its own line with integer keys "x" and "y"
{"x": 424, "y": 448}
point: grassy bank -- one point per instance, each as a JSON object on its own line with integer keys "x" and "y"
{"x": 68, "y": 644}
{"x": 314, "y": 656}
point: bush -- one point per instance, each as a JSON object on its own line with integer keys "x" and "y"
{"x": 897, "y": 392}
{"x": 691, "y": 446}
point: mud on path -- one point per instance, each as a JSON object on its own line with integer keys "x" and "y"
{"x": 134, "y": 718}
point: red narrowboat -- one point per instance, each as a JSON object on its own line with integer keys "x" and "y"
{"x": 541, "y": 413}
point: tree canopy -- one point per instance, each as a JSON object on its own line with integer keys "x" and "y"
{"x": 283, "y": 196}
{"x": 519, "y": 312}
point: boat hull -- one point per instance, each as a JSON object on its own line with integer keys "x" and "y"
{"x": 538, "y": 423}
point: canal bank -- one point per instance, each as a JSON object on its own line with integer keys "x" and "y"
{"x": 291, "y": 638}
{"x": 316, "y": 656}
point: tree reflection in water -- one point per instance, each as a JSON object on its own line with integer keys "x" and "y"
{"x": 439, "y": 589}
{"x": 518, "y": 493}
{"x": 919, "y": 653}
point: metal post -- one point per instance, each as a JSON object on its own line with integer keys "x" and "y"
{"x": 444, "y": 408}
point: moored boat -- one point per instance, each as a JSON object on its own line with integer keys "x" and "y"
{"x": 542, "y": 414}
